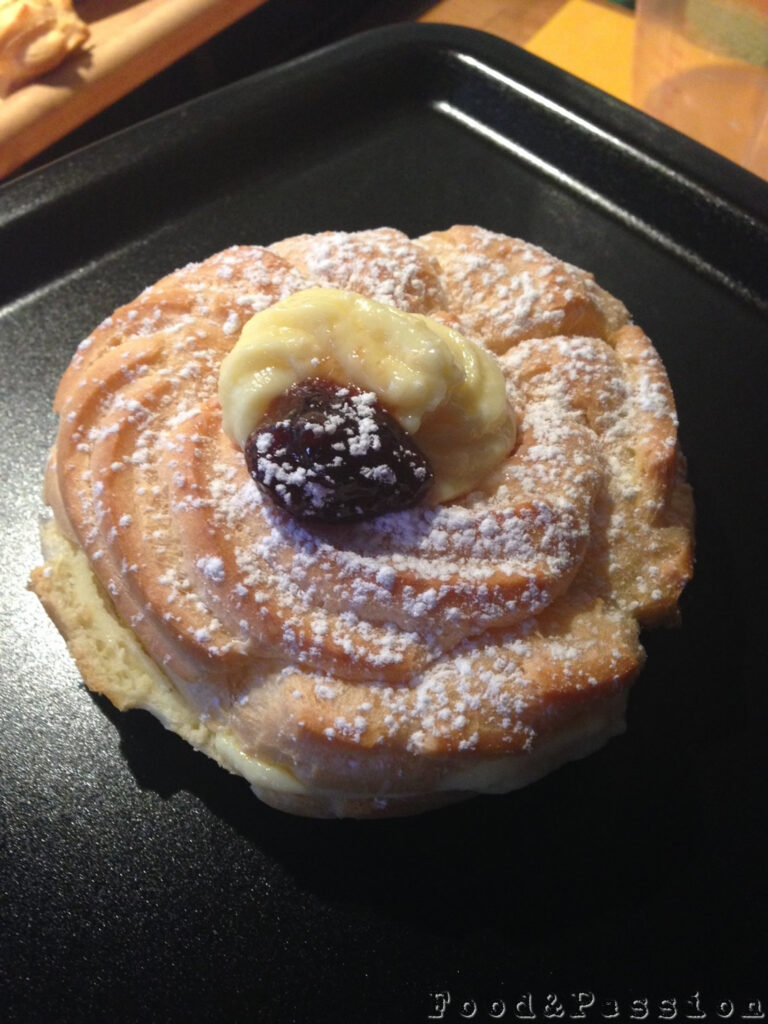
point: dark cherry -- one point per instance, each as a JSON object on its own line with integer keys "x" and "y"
{"x": 334, "y": 454}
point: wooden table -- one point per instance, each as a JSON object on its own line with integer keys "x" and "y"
{"x": 592, "y": 39}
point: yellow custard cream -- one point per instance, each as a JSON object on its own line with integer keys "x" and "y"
{"x": 448, "y": 393}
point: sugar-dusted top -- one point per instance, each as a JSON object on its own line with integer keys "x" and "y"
{"x": 476, "y": 624}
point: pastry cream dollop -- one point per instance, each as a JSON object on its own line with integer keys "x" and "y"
{"x": 447, "y": 392}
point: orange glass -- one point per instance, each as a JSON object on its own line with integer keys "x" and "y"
{"x": 701, "y": 66}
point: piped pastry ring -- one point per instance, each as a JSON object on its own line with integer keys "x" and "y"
{"x": 466, "y": 617}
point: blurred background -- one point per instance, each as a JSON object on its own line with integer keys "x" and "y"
{"x": 700, "y": 65}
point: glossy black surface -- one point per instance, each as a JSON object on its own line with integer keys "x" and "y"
{"x": 141, "y": 883}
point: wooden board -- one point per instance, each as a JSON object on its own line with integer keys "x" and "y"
{"x": 128, "y": 44}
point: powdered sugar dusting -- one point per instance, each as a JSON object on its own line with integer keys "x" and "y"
{"x": 465, "y": 627}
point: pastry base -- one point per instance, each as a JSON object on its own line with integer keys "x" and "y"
{"x": 113, "y": 662}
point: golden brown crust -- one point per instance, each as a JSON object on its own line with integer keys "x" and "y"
{"x": 386, "y": 666}
{"x": 508, "y": 290}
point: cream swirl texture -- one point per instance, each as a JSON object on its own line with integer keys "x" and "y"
{"x": 446, "y": 391}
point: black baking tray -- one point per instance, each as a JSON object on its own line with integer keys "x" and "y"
{"x": 139, "y": 882}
